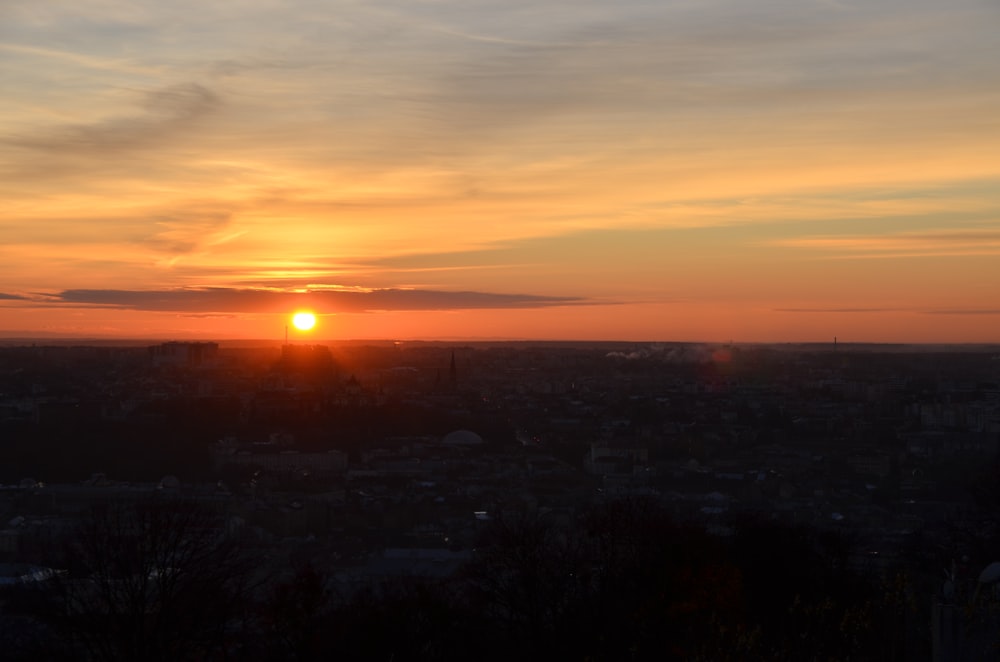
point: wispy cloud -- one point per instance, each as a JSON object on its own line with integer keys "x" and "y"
{"x": 161, "y": 113}
{"x": 78, "y": 59}
{"x": 183, "y": 231}
{"x": 912, "y": 310}
{"x": 964, "y": 311}
{"x": 836, "y": 310}
{"x": 943, "y": 242}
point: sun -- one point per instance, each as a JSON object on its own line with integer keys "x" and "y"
{"x": 303, "y": 321}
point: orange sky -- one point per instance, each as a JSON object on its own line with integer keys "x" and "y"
{"x": 721, "y": 170}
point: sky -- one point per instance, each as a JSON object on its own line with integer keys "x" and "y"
{"x": 703, "y": 170}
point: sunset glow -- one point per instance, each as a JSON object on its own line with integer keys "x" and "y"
{"x": 766, "y": 171}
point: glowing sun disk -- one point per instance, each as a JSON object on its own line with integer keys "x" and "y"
{"x": 303, "y": 321}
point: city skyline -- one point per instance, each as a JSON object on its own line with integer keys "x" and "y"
{"x": 685, "y": 171}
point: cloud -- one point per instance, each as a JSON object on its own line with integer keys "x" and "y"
{"x": 964, "y": 311}
{"x": 959, "y": 241}
{"x": 162, "y": 113}
{"x": 941, "y": 311}
{"x": 660, "y": 61}
{"x": 836, "y": 310}
{"x": 210, "y": 315}
{"x": 227, "y": 300}
{"x": 71, "y": 58}
{"x": 11, "y": 297}
{"x": 186, "y": 230}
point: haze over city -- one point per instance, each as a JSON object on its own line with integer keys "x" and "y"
{"x": 706, "y": 171}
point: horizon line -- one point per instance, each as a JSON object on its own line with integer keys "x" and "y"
{"x": 83, "y": 340}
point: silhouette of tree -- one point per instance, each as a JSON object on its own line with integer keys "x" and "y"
{"x": 529, "y": 577}
{"x": 985, "y": 486}
{"x": 407, "y": 618}
{"x": 807, "y": 604}
{"x": 628, "y": 582}
{"x": 662, "y": 588}
{"x": 156, "y": 579}
{"x": 295, "y": 617}
{"x": 623, "y": 582}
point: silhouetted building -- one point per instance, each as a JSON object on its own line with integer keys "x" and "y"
{"x": 183, "y": 353}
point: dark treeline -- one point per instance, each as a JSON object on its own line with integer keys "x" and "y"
{"x": 163, "y": 580}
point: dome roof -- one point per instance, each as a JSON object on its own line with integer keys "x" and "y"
{"x": 990, "y": 574}
{"x": 462, "y": 438}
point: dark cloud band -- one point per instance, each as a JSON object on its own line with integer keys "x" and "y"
{"x": 222, "y": 300}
